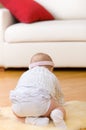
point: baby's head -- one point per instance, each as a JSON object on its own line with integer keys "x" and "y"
{"x": 41, "y": 59}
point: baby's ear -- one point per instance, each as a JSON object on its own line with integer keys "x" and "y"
{"x": 52, "y": 68}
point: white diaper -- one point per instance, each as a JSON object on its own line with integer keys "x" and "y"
{"x": 30, "y": 102}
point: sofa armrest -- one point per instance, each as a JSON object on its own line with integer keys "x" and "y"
{"x": 6, "y": 19}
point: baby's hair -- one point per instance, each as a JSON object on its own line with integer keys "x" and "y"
{"x": 40, "y": 57}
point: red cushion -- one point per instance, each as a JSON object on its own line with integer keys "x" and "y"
{"x": 27, "y": 11}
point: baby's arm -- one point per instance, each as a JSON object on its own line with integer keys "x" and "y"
{"x": 59, "y": 94}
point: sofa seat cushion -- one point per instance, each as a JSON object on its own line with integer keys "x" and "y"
{"x": 54, "y": 30}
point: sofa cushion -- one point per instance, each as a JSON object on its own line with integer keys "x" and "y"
{"x": 27, "y": 11}
{"x": 35, "y": 10}
{"x": 54, "y": 30}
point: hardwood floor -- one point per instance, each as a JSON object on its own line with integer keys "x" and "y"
{"x": 73, "y": 83}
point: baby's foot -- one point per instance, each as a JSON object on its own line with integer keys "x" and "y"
{"x": 41, "y": 121}
{"x": 57, "y": 117}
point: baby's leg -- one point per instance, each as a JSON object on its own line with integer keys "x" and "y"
{"x": 40, "y": 121}
{"x": 58, "y": 119}
{"x": 21, "y": 119}
{"x": 57, "y": 114}
{"x": 54, "y": 105}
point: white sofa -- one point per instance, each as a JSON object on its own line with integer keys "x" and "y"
{"x": 63, "y": 39}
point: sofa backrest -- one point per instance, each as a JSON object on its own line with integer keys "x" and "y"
{"x": 65, "y": 9}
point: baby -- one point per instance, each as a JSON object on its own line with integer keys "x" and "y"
{"x": 38, "y": 96}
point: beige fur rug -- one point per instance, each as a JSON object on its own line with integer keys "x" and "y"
{"x": 76, "y": 118}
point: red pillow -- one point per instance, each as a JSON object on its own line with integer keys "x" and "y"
{"x": 27, "y": 11}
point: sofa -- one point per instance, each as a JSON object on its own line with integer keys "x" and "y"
{"x": 64, "y": 38}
